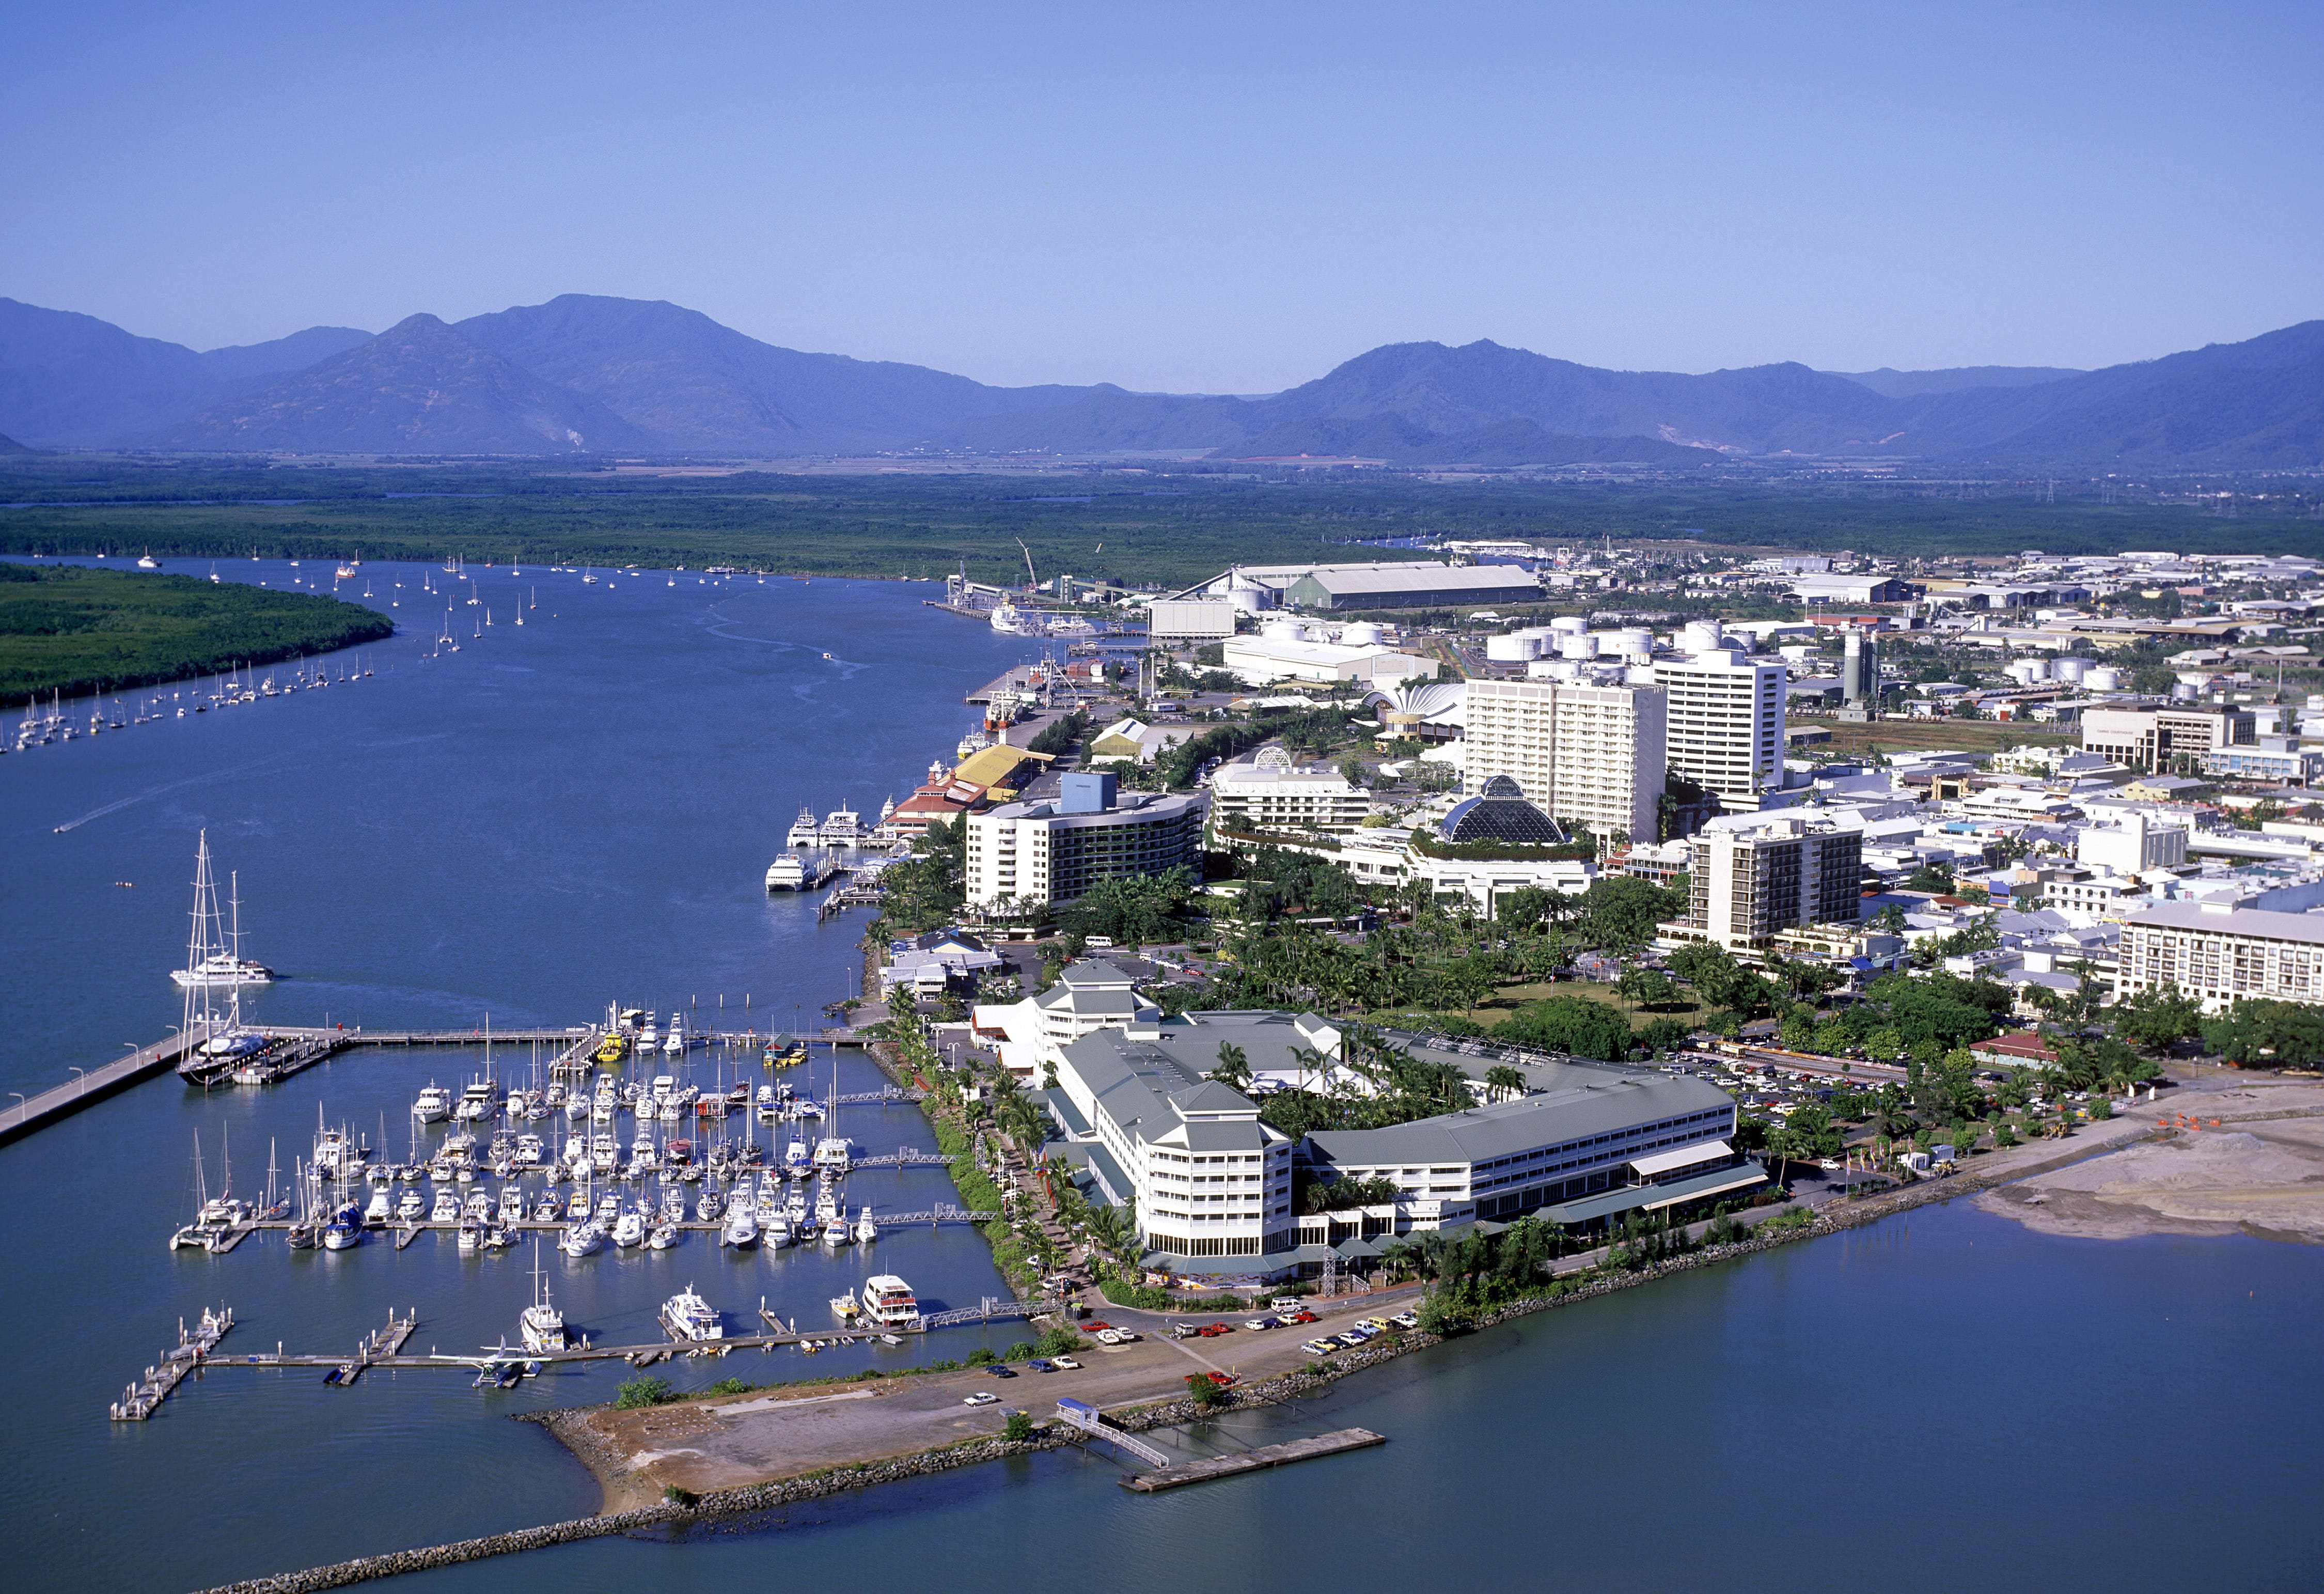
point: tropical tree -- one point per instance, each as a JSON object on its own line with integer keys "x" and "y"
{"x": 1503, "y": 1082}
{"x": 1234, "y": 1068}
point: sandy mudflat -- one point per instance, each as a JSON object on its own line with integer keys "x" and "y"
{"x": 2259, "y": 1175}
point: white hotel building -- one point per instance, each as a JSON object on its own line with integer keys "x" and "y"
{"x": 2219, "y": 954}
{"x": 1726, "y": 721}
{"x": 1591, "y": 754}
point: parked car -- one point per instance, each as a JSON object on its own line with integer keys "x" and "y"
{"x": 1109, "y": 1336}
{"x": 1285, "y": 1304}
{"x": 1303, "y": 1315}
{"x": 1406, "y": 1320}
{"x": 1372, "y": 1326}
{"x": 1002, "y": 1372}
{"x": 1212, "y": 1331}
{"x": 1224, "y": 1380}
{"x": 1066, "y": 1362}
{"x": 1319, "y": 1346}
{"x": 981, "y": 1397}
{"x": 1256, "y": 1324}
{"x": 1040, "y": 1365}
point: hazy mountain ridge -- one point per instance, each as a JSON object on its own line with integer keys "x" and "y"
{"x": 66, "y": 378}
{"x": 695, "y": 385}
{"x": 420, "y": 387}
{"x": 641, "y": 376}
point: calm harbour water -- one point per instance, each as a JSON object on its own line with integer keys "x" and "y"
{"x": 580, "y": 811}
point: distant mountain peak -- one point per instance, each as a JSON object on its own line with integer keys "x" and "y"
{"x": 420, "y": 387}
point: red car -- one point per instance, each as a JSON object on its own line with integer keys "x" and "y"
{"x": 1093, "y": 1327}
{"x": 1300, "y": 1317}
{"x": 1224, "y": 1381}
{"x": 1212, "y": 1331}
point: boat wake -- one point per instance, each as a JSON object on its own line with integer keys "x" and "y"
{"x": 213, "y": 779}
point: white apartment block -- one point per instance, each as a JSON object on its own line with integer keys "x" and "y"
{"x": 1757, "y": 874}
{"x": 1038, "y": 851}
{"x": 2218, "y": 954}
{"x": 1591, "y": 754}
{"x": 1270, "y": 793}
{"x": 2133, "y": 844}
{"x": 1726, "y": 720}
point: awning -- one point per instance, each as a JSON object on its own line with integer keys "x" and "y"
{"x": 1681, "y": 1156}
{"x": 1718, "y": 1182}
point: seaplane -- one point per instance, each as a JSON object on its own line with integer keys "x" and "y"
{"x": 499, "y": 1367}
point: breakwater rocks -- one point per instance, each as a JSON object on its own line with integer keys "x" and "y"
{"x": 651, "y": 1518}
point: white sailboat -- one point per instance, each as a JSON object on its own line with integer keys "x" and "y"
{"x": 214, "y": 955}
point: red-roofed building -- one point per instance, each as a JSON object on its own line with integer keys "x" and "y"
{"x": 2018, "y": 1048}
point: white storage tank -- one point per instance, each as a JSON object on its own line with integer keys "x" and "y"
{"x": 1557, "y": 670}
{"x": 1583, "y": 646}
{"x": 1631, "y": 642}
{"x": 1364, "y": 634}
{"x": 1511, "y": 649}
{"x": 2104, "y": 678}
{"x": 1569, "y": 625}
{"x": 1701, "y": 636}
{"x": 1285, "y": 631}
{"x": 2026, "y": 671}
{"x": 2069, "y": 668}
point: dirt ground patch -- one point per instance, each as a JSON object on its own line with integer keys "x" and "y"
{"x": 2252, "y": 1174}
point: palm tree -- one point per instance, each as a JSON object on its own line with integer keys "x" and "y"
{"x": 1503, "y": 1082}
{"x": 1234, "y": 1068}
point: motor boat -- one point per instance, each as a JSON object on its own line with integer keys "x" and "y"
{"x": 446, "y": 1208}
{"x": 433, "y": 1104}
{"x": 866, "y": 1230}
{"x": 583, "y": 1238}
{"x": 707, "y": 1206}
{"x": 888, "y": 1302}
{"x": 690, "y": 1319}
{"x": 741, "y": 1230}
{"x": 661, "y": 1237}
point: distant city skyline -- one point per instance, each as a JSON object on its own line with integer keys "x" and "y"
{"x": 1190, "y": 198}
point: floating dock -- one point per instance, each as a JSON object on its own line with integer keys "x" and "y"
{"x": 1251, "y": 1460}
{"x": 140, "y": 1401}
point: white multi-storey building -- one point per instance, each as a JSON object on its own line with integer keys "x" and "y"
{"x": 1725, "y": 721}
{"x": 1583, "y": 754}
{"x": 1272, "y": 793}
{"x": 1054, "y": 851}
{"x": 2219, "y": 954}
{"x": 1757, "y": 874}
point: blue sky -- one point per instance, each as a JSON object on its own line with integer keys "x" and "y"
{"x": 1193, "y": 198}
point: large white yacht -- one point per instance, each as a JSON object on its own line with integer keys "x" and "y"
{"x": 216, "y": 958}
{"x": 433, "y": 1104}
{"x": 688, "y": 1317}
{"x": 888, "y": 1302}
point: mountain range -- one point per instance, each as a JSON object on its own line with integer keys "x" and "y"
{"x": 584, "y": 375}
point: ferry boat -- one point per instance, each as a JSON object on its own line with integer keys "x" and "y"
{"x": 689, "y": 1318}
{"x": 1071, "y": 625}
{"x": 797, "y": 871}
{"x": 433, "y": 1104}
{"x": 844, "y": 827}
{"x": 805, "y": 832}
{"x": 888, "y": 1302}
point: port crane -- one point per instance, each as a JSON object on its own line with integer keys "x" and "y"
{"x": 1032, "y": 581}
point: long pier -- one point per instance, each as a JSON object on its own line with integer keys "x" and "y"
{"x": 92, "y": 1085}
{"x": 140, "y": 1401}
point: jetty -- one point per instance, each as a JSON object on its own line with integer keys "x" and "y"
{"x": 1168, "y": 1475}
{"x": 292, "y": 1049}
{"x": 140, "y": 1401}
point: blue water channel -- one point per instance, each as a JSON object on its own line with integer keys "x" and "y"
{"x": 579, "y": 812}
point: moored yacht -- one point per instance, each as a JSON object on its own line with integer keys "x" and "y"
{"x": 433, "y": 1104}
{"x": 888, "y": 1302}
{"x": 689, "y": 1318}
{"x": 741, "y": 1230}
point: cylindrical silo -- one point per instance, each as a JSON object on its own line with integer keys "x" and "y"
{"x": 1363, "y": 634}
{"x": 1630, "y": 642}
{"x": 1565, "y": 624}
{"x": 1580, "y": 646}
{"x": 1511, "y": 650}
{"x": 1701, "y": 636}
{"x": 2103, "y": 677}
